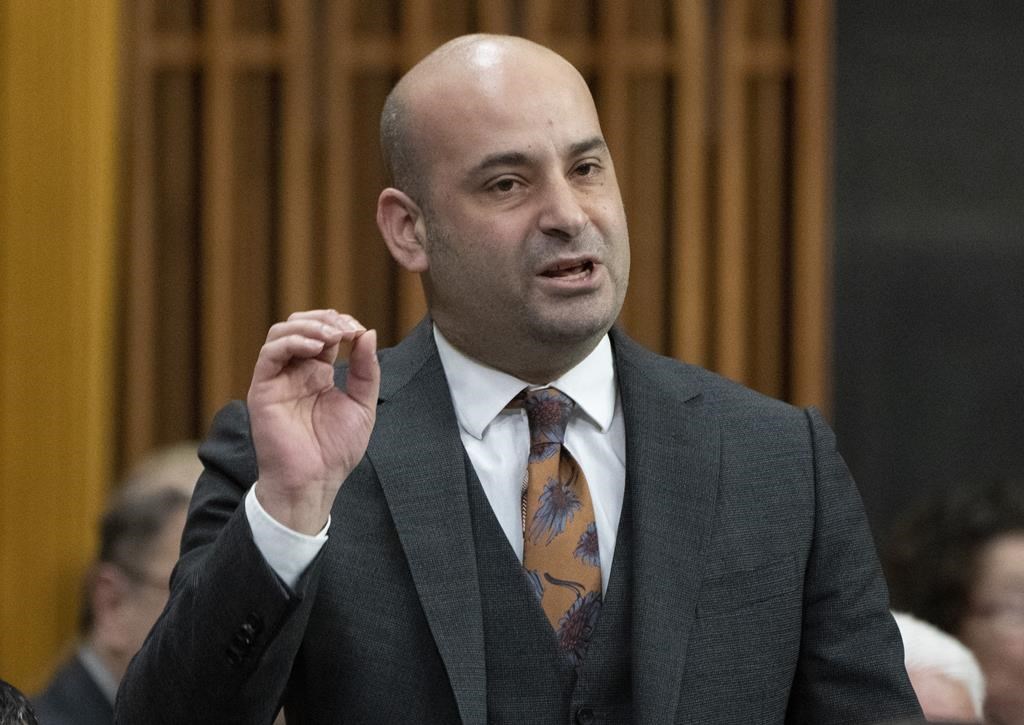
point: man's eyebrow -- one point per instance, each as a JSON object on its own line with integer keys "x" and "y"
{"x": 502, "y": 158}
{"x": 520, "y": 158}
{"x": 591, "y": 144}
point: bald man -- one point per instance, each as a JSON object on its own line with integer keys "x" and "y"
{"x": 359, "y": 546}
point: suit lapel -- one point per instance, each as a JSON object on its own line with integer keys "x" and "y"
{"x": 418, "y": 457}
{"x": 672, "y": 473}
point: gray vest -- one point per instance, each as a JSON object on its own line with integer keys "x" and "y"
{"x": 528, "y": 678}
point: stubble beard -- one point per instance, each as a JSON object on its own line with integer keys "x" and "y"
{"x": 515, "y": 335}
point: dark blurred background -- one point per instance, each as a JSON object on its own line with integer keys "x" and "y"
{"x": 929, "y": 246}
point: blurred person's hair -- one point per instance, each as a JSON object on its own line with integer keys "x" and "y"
{"x": 150, "y": 496}
{"x": 932, "y": 559}
{"x": 14, "y": 706}
{"x": 175, "y": 466}
{"x": 926, "y": 647}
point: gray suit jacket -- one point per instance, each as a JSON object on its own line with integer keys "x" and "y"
{"x": 72, "y": 697}
{"x": 756, "y": 595}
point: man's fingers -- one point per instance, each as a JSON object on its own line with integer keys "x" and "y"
{"x": 276, "y": 354}
{"x": 331, "y": 332}
{"x": 363, "y": 382}
{"x": 330, "y": 317}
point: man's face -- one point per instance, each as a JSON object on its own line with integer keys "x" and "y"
{"x": 525, "y": 231}
{"x": 128, "y": 601}
{"x": 994, "y": 628}
{"x": 151, "y": 587}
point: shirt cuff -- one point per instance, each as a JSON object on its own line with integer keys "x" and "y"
{"x": 288, "y": 552}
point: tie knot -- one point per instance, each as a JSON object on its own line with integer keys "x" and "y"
{"x": 548, "y": 411}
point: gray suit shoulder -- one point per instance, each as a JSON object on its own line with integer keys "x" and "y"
{"x": 717, "y": 395}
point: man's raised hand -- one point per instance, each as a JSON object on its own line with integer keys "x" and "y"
{"x": 308, "y": 434}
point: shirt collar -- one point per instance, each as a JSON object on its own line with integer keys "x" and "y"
{"x": 99, "y": 673}
{"x": 480, "y": 392}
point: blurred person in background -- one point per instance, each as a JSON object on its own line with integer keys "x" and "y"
{"x": 126, "y": 588}
{"x": 945, "y": 674}
{"x": 957, "y": 561}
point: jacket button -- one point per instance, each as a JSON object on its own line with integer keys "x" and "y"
{"x": 243, "y": 640}
{"x": 255, "y": 621}
{"x": 584, "y": 716}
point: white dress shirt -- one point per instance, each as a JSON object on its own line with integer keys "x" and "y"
{"x": 498, "y": 444}
{"x": 103, "y": 678}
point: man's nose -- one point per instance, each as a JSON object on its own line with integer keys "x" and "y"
{"x": 562, "y": 215}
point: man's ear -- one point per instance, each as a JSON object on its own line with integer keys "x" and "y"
{"x": 401, "y": 223}
{"x": 108, "y": 592}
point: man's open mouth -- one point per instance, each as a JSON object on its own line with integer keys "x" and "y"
{"x": 570, "y": 269}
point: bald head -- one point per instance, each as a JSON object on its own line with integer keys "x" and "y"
{"x": 449, "y": 82}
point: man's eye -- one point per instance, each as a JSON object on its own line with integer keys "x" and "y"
{"x": 504, "y": 185}
{"x": 586, "y": 169}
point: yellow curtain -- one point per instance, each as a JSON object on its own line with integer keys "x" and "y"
{"x": 58, "y": 172}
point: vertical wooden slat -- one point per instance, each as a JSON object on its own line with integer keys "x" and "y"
{"x": 339, "y": 261}
{"x": 417, "y": 32}
{"x": 811, "y": 200}
{"x": 731, "y": 347}
{"x": 613, "y": 100}
{"x": 613, "y": 111}
{"x": 495, "y": 16}
{"x": 219, "y": 297}
{"x": 645, "y": 309}
{"x": 140, "y": 313}
{"x": 416, "y": 41}
{"x": 646, "y": 141}
{"x": 254, "y": 205}
{"x": 296, "y": 233}
{"x": 377, "y": 298}
{"x": 537, "y": 20}
{"x": 690, "y": 271}
{"x": 767, "y": 205}
{"x": 173, "y": 337}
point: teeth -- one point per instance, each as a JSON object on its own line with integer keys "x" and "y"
{"x": 567, "y": 271}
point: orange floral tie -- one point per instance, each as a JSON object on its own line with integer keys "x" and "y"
{"x": 560, "y": 554}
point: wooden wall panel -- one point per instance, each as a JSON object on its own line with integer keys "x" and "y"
{"x": 716, "y": 112}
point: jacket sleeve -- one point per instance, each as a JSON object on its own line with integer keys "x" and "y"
{"x": 850, "y": 667}
{"x": 224, "y": 646}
